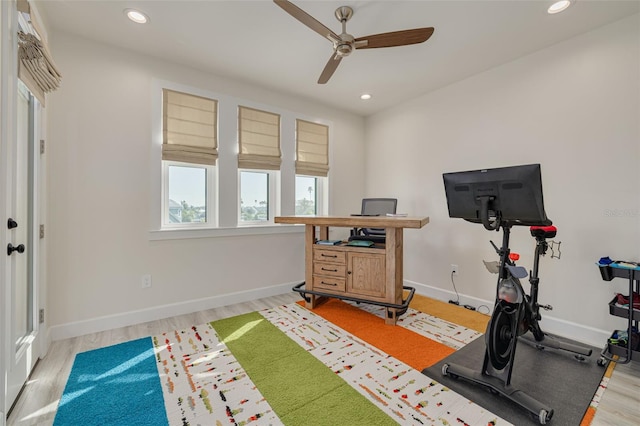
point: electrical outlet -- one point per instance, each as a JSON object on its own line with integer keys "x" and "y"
{"x": 454, "y": 268}
{"x": 146, "y": 281}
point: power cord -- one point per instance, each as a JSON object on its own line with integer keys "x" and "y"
{"x": 457, "y": 301}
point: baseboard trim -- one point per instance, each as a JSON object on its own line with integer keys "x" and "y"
{"x": 109, "y": 322}
{"x": 559, "y": 327}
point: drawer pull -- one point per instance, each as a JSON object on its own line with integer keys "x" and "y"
{"x": 333, "y": 284}
{"x": 329, "y": 270}
{"x": 328, "y": 255}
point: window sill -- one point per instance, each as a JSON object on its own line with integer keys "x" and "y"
{"x": 184, "y": 234}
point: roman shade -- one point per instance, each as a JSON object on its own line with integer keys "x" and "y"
{"x": 189, "y": 128}
{"x": 312, "y": 148}
{"x": 36, "y": 68}
{"x": 259, "y": 139}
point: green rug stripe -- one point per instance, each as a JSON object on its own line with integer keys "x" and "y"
{"x": 299, "y": 387}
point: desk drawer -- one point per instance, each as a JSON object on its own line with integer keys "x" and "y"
{"x": 330, "y": 256}
{"x": 329, "y": 269}
{"x": 333, "y": 284}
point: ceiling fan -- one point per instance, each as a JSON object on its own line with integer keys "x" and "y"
{"x": 344, "y": 43}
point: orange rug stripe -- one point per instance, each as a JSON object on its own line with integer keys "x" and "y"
{"x": 588, "y": 416}
{"x": 405, "y": 345}
{"x": 591, "y": 411}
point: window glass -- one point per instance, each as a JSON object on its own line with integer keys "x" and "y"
{"x": 306, "y": 199}
{"x": 187, "y": 194}
{"x": 254, "y": 196}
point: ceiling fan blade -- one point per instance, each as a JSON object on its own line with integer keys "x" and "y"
{"x": 395, "y": 38}
{"x": 330, "y": 68}
{"x": 308, "y": 20}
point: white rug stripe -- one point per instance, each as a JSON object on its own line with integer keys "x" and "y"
{"x": 405, "y": 394}
{"x": 204, "y": 385}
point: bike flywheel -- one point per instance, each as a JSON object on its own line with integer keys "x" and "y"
{"x": 500, "y": 339}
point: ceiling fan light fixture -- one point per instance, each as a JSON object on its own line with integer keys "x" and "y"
{"x": 365, "y": 96}
{"x": 558, "y": 6}
{"x": 136, "y": 16}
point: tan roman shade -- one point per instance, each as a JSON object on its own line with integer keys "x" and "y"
{"x": 36, "y": 68}
{"x": 312, "y": 148}
{"x": 189, "y": 128}
{"x": 259, "y": 139}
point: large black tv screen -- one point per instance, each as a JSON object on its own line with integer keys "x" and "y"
{"x": 505, "y": 195}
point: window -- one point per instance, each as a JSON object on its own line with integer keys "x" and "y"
{"x": 189, "y": 154}
{"x": 187, "y": 193}
{"x": 259, "y": 159}
{"x": 256, "y": 197}
{"x": 219, "y": 161}
{"x": 306, "y": 195}
{"x": 312, "y": 167}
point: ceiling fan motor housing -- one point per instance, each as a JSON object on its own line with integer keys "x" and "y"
{"x": 345, "y": 46}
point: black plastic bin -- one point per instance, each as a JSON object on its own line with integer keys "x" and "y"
{"x": 606, "y": 272}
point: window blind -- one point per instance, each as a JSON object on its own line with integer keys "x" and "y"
{"x": 259, "y": 139}
{"x": 36, "y": 68}
{"x": 312, "y": 148}
{"x": 189, "y": 128}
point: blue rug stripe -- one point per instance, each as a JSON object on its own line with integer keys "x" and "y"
{"x": 99, "y": 379}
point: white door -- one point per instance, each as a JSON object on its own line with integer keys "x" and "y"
{"x": 19, "y": 162}
{"x": 22, "y": 250}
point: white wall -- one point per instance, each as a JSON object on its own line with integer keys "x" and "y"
{"x": 573, "y": 108}
{"x": 99, "y": 193}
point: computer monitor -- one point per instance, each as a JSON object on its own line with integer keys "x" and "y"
{"x": 504, "y": 196}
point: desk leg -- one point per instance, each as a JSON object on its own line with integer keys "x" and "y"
{"x": 309, "y": 239}
{"x": 394, "y": 267}
{"x": 391, "y": 316}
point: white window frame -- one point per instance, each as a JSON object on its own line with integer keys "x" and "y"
{"x": 273, "y": 207}
{"x": 211, "y": 199}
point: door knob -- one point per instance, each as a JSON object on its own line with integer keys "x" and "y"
{"x": 12, "y": 224}
{"x": 11, "y": 249}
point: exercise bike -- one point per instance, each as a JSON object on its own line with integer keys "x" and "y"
{"x": 515, "y": 314}
{"x": 499, "y": 199}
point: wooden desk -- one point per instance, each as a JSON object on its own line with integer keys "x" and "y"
{"x": 366, "y": 274}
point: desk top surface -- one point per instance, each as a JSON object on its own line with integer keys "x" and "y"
{"x": 357, "y": 221}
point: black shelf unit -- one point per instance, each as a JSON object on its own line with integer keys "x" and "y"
{"x": 625, "y": 354}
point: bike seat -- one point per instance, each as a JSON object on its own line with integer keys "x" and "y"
{"x": 543, "y": 232}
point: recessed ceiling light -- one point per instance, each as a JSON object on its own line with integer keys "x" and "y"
{"x": 558, "y": 6}
{"x": 136, "y": 16}
{"x": 365, "y": 96}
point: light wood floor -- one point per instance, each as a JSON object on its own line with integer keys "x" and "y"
{"x": 37, "y": 404}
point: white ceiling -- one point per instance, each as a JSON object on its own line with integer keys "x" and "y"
{"x": 258, "y": 42}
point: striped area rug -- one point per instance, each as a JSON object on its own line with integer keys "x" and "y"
{"x": 338, "y": 364}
